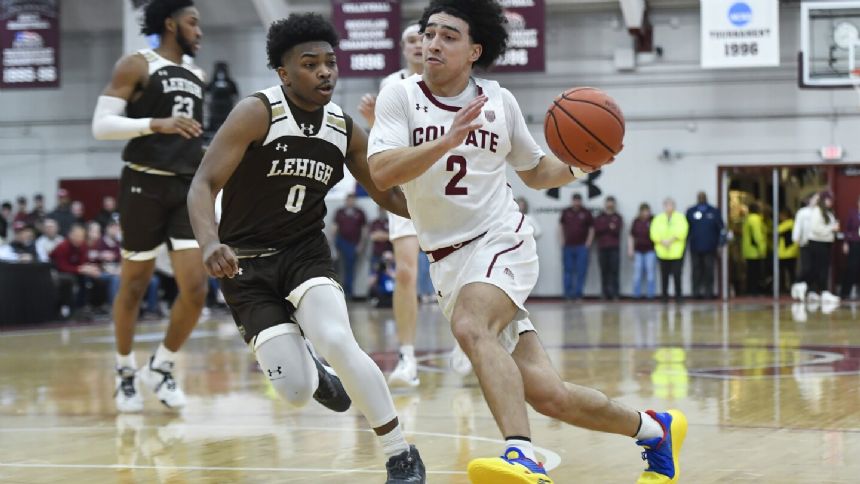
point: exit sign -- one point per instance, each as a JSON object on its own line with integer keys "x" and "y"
{"x": 831, "y": 153}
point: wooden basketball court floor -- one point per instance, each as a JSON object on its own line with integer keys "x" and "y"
{"x": 771, "y": 396}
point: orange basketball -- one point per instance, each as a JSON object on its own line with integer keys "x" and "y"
{"x": 584, "y": 125}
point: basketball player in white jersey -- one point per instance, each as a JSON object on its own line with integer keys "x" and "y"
{"x": 402, "y": 234}
{"x": 155, "y": 101}
{"x": 446, "y": 138}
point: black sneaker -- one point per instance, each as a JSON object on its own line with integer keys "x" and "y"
{"x": 406, "y": 468}
{"x": 330, "y": 392}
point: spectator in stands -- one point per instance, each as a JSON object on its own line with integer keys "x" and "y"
{"x": 823, "y": 227}
{"x": 669, "y": 234}
{"x": 706, "y": 232}
{"x": 77, "y": 209}
{"x": 787, "y": 251}
{"x": 5, "y": 220}
{"x": 641, "y": 250}
{"x": 349, "y": 221}
{"x": 754, "y": 249}
{"x": 104, "y": 251}
{"x": 379, "y": 239}
{"x": 49, "y": 239}
{"x": 108, "y": 212}
{"x": 21, "y": 213}
{"x": 22, "y": 248}
{"x": 381, "y": 281}
{"x": 62, "y": 213}
{"x": 851, "y": 248}
{"x": 577, "y": 230}
{"x": 607, "y": 231}
{"x": 524, "y": 209}
{"x": 36, "y": 217}
{"x": 800, "y": 234}
{"x": 77, "y": 275}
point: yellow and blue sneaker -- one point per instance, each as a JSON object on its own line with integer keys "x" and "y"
{"x": 511, "y": 468}
{"x": 662, "y": 453}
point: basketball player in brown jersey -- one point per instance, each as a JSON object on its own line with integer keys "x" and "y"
{"x": 277, "y": 155}
{"x": 155, "y": 100}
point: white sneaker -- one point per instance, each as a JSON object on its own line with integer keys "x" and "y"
{"x": 405, "y": 374}
{"x": 460, "y": 362}
{"x": 161, "y": 381}
{"x": 829, "y": 297}
{"x": 127, "y": 394}
{"x": 797, "y": 290}
{"x": 813, "y": 297}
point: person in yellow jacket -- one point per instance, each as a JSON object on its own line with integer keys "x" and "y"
{"x": 669, "y": 234}
{"x": 787, "y": 251}
{"x": 754, "y": 249}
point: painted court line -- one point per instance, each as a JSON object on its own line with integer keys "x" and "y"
{"x": 551, "y": 459}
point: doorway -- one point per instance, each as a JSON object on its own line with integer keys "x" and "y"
{"x": 776, "y": 193}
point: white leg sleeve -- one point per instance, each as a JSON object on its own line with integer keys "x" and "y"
{"x": 285, "y": 360}
{"x": 323, "y": 317}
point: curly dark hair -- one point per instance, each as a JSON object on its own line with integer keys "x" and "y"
{"x": 157, "y": 11}
{"x": 297, "y": 29}
{"x": 486, "y": 24}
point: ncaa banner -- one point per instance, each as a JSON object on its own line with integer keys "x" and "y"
{"x": 29, "y": 43}
{"x": 369, "y": 37}
{"x": 526, "y": 31}
{"x": 740, "y": 33}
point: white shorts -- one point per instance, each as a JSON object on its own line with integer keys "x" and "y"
{"x": 506, "y": 258}
{"x": 400, "y": 227}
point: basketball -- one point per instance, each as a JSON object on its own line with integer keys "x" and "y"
{"x": 585, "y": 126}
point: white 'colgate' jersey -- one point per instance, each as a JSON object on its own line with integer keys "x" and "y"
{"x": 465, "y": 193}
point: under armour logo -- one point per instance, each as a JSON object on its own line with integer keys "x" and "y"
{"x": 509, "y": 273}
{"x": 419, "y": 107}
{"x": 281, "y": 147}
{"x": 307, "y": 128}
{"x": 136, "y": 190}
{"x": 162, "y": 72}
{"x": 439, "y": 293}
{"x": 240, "y": 271}
{"x": 271, "y": 372}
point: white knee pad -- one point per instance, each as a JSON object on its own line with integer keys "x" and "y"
{"x": 284, "y": 359}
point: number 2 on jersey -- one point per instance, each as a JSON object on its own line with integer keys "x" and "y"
{"x": 451, "y": 188}
{"x": 295, "y": 199}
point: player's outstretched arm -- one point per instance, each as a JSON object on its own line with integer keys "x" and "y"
{"x": 109, "y": 120}
{"x": 391, "y": 199}
{"x": 551, "y": 173}
{"x": 247, "y": 123}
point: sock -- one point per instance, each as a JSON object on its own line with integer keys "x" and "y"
{"x": 524, "y": 444}
{"x": 163, "y": 355}
{"x": 648, "y": 428}
{"x": 408, "y": 351}
{"x": 125, "y": 360}
{"x": 393, "y": 443}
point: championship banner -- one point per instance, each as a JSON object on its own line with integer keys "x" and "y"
{"x": 29, "y": 43}
{"x": 740, "y": 33}
{"x": 369, "y": 37}
{"x": 526, "y": 32}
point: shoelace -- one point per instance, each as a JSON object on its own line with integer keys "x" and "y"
{"x": 166, "y": 379}
{"x": 126, "y": 386}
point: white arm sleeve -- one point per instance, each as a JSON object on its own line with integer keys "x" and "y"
{"x": 109, "y": 123}
{"x": 525, "y": 153}
{"x": 391, "y": 128}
